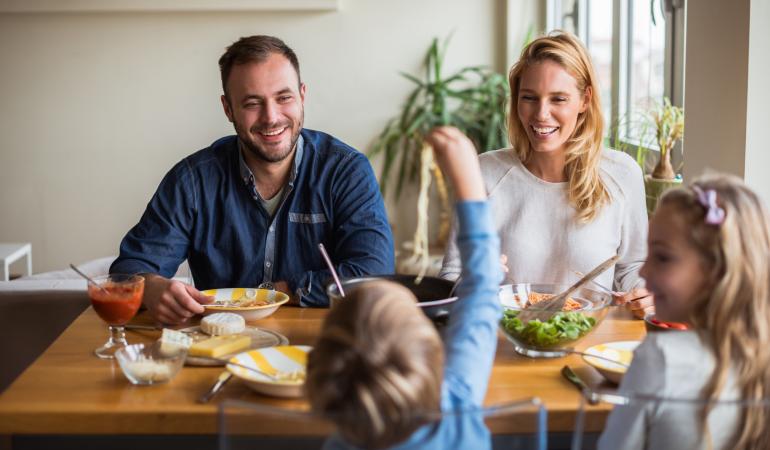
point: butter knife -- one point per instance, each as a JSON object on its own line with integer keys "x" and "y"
{"x": 223, "y": 378}
{"x": 573, "y": 378}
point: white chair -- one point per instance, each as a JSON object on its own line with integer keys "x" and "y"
{"x": 668, "y": 422}
{"x": 250, "y": 425}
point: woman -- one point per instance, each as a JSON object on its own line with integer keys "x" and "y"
{"x": 561, "y": 203}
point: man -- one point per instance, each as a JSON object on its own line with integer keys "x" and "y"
{"x": 252, "y": 208}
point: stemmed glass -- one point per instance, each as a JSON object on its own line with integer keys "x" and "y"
{"x": 116, "y": 299}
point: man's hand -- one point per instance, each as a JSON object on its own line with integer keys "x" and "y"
{"x": 172, "y": 302}
{"x": 640, "y": 301}
{"x": 457, "y": 158}
{"x": 284, "y": 287}
{"x": 504, "y": 263}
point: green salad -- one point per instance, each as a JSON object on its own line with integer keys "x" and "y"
{"x": 562, "y": 328}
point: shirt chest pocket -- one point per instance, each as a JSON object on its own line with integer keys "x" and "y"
{"x": 307, "y": 218}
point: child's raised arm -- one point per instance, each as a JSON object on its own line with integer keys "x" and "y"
{"x": 471, "y": 336}
{"x": 457, "y": 158}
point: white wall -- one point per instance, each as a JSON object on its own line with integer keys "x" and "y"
{"x": 726, "y": 95}
{"x": 758, "y": 113}
{"x": 96, "y": 107}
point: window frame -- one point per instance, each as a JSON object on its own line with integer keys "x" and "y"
{"x": 674, "y": 12}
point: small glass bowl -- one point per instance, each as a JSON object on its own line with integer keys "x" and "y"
{"x": 559, "y": 334}
{"x": 145, "y": 364}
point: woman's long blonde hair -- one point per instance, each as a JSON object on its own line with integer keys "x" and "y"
{"x": 586, "y": 191}
{"x": 732, "y": 310}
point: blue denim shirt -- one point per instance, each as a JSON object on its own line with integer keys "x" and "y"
{"x": 204, "y": 211}
{"x": 470, "y": 341}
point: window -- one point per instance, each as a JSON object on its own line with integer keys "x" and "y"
{"x": 637, "y": 50}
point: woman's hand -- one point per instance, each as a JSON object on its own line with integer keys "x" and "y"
{"x": 640, "y": 301}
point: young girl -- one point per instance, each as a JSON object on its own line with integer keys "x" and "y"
{"x": 708, "y": 265}
{"x": 379, "y": 365}
{"x": 561, "y": 202}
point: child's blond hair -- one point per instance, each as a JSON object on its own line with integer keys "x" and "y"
{"x": 377, "y": 367}
{"x": 732, "y": 310}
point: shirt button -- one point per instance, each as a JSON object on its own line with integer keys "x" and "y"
{"x": 267, "y": 264}
{"x": 272, "y": 228}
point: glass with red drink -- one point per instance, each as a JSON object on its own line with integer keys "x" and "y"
{"x": 115, "y": 298}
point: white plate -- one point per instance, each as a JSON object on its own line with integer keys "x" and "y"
{"x": 620, "y": 351}
{"x": 272, "y": 360}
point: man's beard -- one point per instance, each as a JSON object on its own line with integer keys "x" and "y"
{"x": 270, "y": 157}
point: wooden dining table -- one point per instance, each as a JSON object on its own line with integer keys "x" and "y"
{"x": 68, "y": 391}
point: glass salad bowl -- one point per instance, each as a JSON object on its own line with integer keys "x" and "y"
{"x": 582, "y": 313}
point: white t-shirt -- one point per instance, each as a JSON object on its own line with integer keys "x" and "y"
{"x": 540, "y": 235}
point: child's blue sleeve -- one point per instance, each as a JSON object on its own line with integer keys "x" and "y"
{"x": 471, "y": 336}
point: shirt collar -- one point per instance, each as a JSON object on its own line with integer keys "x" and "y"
{"x": 248, "y": 176}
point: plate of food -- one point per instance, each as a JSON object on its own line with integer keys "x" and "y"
{"x": 251, "y": 303}
{"x": 611, "y": 359}
{"x": 222, "y": 335}
{"x": 278, "y": 371}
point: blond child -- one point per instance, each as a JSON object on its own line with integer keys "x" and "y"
{"x": 708, "y": 265}
{"x": 379, "y": 367}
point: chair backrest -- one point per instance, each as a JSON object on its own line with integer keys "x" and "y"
{"x": 512, "y": 425}
{"x": 665, "y": 422}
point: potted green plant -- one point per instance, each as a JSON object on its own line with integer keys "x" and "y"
{"x": 472, "y": 99}
{"x": 666, "y": 122}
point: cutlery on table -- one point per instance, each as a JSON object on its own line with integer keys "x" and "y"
{"x": 573, "y": 378}
{"x": 223, "y": 378}
{"x": 545, "y": 309}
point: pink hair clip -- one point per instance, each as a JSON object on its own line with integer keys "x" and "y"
{"x": 715, "y": 215}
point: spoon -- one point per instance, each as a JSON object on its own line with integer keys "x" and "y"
{"x": 87, "y": 278}
{"x": 331, "y": 269}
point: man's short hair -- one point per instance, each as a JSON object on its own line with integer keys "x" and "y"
{"x": 254, "y": 49}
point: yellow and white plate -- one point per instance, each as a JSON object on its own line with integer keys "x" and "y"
{"x": 251, "y": 303}
{"x": 287, "y": 362}
{"x": 620, "y": 351}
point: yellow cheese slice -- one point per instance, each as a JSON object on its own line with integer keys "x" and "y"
{"x": 220, "y": 345}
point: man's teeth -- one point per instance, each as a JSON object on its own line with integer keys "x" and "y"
{"x": 545, "y": 130}
{"x": 274, "y": 132}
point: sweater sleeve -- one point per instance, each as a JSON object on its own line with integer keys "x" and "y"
{"x": 450, "y": 268}
{"x": 633, "y": 239}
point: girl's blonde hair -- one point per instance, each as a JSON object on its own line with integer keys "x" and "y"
{"x": 732, "y": 310}
{"x": 586, "y": 191}
{"x": 377, "y": 367}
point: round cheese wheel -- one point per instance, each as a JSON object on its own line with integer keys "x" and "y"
{"x": 221, "y": 324}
